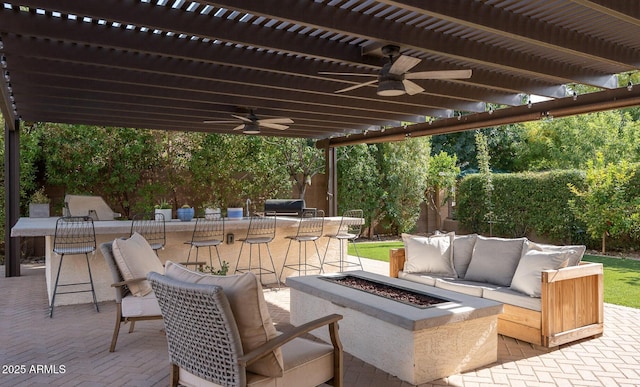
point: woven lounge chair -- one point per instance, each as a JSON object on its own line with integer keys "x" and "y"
{"x": 205, "y": 346}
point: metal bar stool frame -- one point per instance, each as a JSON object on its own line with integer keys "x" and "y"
{"x": 151, "y": 226}
{"x": 74, "y": 235}
{"x": 208, "y": 232}
{"x": 261, "y": 231}
{"x": 309, "y": 230}
{"x": 349, "y": 229}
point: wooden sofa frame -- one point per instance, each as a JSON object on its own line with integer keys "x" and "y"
{"x": 572, "y": 306}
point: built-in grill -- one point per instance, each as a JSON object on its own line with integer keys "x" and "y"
{"x": 284, "y": 207}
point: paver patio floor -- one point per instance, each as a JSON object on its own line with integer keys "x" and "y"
{"x": 74, "y": 347}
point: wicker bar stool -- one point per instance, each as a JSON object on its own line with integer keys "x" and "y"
{"x": 75, "y": 235}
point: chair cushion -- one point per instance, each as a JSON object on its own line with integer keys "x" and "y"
{"x": 527, "y": 278}
{"x": 462, "y": 252}
{"x": 249, "y": 307}
{"x": 428, "y": 254}
{"x": 140, "y": 306}
{"x": 494, "y": 260}
{"x": 135, "y": 259}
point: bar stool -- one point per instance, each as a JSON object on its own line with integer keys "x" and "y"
{"x": 74, "y": 235}
{"x": 349, "y": 229}
{"x": 152, "y": 228}
{"x": 309, "y": 230}
{"x": 207, "y": 233}
{"x": 262, "y": 230}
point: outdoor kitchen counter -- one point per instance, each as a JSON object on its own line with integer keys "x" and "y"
{"x": 177, "y": 233}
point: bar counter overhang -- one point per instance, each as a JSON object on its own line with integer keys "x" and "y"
{"x": 177, "y": 232}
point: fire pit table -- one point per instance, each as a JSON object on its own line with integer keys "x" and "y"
{"x": 418, "y": 344}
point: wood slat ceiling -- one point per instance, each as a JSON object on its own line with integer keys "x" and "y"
{"x": 172, "y": 64}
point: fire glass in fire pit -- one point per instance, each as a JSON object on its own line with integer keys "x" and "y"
{"x": 419, "y": 300}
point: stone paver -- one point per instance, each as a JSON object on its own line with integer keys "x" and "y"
{"x": 72, "y": 348}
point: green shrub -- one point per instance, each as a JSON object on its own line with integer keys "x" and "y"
{"x": 523, "y": 204}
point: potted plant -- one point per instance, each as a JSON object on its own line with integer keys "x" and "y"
{"x": 39, "y": 204}
{"x": 234, "y": 211}
{"x": 164, "y": 208}
{"x": 185, "y": 213}
{"x": 212, "y": 210}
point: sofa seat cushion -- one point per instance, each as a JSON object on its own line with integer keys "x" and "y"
{"x": 494, "y": 260}
{"x": 249, "y": 308}
{"x": 422, "y": 278}
{"x": 470, "y": 288}
{"x": 135, "y": 259}
{"x": 429, "y": 254}
{"x": 511, "y": 297}
{"x": 140, "y": 306}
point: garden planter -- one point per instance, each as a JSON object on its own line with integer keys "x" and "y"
{"x": 38, "y": 210}
{"x": 234, "y": 212}
{"x": 212, "y": 213}
{"x": 185, "y": 214}
{"x": 164, "y": 211}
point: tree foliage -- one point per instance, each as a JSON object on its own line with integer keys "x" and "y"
{"x": 606, "y": 205}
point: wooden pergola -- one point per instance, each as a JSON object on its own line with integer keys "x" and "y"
{"x": 174, "y": 64}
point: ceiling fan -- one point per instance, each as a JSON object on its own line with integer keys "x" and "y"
{"x": 251, "y": 124}
{"x": 394, "y": 78}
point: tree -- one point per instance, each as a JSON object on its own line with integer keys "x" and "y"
{"x": 359, "y": 182}
{"x": 486, "y": 177}
{"x": 302, "y": 160}
{"x": 111, "y": 162}
{"x": 605, "y": 206}
{"x": 442, "y": 174}
{"x": 403, "y": 166}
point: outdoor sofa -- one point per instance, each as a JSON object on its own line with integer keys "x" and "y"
{"x": 550, "y": 297}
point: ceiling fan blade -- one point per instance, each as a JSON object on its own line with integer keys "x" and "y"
{"x": 356, "y": 86}
{"x": 412, "y": 88}
{"x": 239, "y": 127}
{"x": 403, "y": 63}
{"x": 441, "y": 74}
{"x": 218, "y": 122}
{"x": 348, "y": 74}
{"x": 242, "y": 118}
{"x": 271, "y": 125}
{"x": 275, "y": 121}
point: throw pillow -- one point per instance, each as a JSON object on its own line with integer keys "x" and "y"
{"x": 428, "y": 254}
{"x": 135, "y": 259}
{"x": 494, "y": 260}
{"x": 576, "y": 252}
{"x": 527, "y": 278}
{"x": 249, "y": 307}
{"x": 462, "y": 252}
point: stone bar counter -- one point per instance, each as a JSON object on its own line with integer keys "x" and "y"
{"x": 178, "y": 232}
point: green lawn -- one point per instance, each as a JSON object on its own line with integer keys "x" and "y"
{"x": 621, "y": 276}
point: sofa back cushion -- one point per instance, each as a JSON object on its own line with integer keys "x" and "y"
{"x": 494, "y": 260}
{"x": 462, "y": 252}
{"x": 528, "y": 277}
{"x": 429, "y": 254}
{"x": 249, "y": 308}
{"x": 135, "y": 259}
{"x": 576, "y": 252}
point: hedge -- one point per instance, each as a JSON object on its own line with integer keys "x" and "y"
{"x": 530, "y": 203}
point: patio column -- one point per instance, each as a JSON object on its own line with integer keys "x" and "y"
{"x": 332, "y": 180}
{"x": 12, "y": 197}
